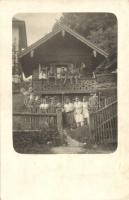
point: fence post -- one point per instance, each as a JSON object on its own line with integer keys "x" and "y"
{"x": 91, "y": 128}
{"x": 60, "y": 124}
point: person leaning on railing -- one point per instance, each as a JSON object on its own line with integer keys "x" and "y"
{"x": 76, "y": 74}
{"x": 63, "y": 76}
{"x": 71, "y": 73}
{"x": 43, "y": 74}
{"x": 93, "y": 102}
{"x": 52, "y": 74}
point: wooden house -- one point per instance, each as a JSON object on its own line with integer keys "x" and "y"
{"x": 62, "y": 63}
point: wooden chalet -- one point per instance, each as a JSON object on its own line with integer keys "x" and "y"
{"x": 63, "y": 63}
{"x": 62, "y": 49}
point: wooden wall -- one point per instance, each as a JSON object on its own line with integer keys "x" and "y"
{"x": 61, "y": 49}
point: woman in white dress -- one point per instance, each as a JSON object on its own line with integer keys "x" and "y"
{"x": 85, "y": 110}
{"x": 78, "y": 112}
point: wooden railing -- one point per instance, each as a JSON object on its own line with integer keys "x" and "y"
{"x": 103, "y": 124}
{"x": 106, "y": 101}
{"x": 83, "y": 85}
{"x": 102, "y": 102}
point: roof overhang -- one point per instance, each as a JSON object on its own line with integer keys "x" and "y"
{"x": 70, "y": 31}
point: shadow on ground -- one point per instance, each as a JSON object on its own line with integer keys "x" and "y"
{"x": 27, "y": 144}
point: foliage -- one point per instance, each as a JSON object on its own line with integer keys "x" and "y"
{"x": 99, "y": 28}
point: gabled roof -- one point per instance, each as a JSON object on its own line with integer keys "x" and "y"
{"x": 53, "y": 33}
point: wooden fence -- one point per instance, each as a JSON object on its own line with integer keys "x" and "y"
{"x": 103, "y": 124}
{"x": 35, "y": 122}
{"x": 102, "y": 102}
{"x": 106, "y": 101}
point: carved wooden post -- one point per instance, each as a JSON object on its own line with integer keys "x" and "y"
{"x": 60, "y": 124}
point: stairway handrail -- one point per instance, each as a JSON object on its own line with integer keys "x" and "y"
{"x": 99, "y": 110}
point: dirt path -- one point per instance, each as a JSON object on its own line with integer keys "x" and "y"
{"x": 73, "y": 146}
{"x": 76, "y": 147}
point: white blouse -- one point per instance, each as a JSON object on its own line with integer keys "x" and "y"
{"x": 68, "y": 107}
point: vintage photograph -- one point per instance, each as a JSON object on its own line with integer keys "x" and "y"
{"x": 64, "y": 83}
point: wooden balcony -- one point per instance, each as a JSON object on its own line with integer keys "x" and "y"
{"x": 59, "y": 87}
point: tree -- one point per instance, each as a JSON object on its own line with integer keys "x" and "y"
{"x": 99, "y": 28}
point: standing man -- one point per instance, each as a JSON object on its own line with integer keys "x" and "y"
{"x": 68, "y": 109}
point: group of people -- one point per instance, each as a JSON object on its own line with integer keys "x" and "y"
{"x": 74, "y": 111}
{"x": 70, "y": 72}
{"x": 60, "y": 73}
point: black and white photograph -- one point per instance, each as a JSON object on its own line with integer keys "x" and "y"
{"x": 64, "y": 83}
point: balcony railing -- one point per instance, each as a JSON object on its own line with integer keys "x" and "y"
{"x": 58, "y": 86}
